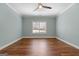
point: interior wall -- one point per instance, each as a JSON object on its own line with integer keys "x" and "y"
{"x": 27, "y": 25}
{"x": 10, "y": 25}
{"x": 68, "y": 25}
{"x": 65, "y": 26}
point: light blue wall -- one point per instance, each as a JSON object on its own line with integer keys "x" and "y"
{"x": 68, "y": 25}
{"x": 10, "y": 25}
{"x": 27, "y": 25}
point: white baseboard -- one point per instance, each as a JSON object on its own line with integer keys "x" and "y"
{"x": 73, "y": 45}
{"x": 25, "y": 37}
{"x": 10, "y": 43}
{"x": 39, "y": 37}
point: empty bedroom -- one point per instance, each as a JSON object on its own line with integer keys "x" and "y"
{"x": 39, "y": 29}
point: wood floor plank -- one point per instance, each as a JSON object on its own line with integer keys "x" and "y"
{"x": 40, "y": 47}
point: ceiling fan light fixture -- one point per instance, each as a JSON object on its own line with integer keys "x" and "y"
{"x": 40, "y": 6}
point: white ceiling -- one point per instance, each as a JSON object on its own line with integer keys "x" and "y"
{"x": 28, "y": 8}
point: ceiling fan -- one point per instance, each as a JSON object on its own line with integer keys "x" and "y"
{"x": 40, "y": 5}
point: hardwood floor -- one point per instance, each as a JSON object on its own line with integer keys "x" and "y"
{"x": 40, "y": 47}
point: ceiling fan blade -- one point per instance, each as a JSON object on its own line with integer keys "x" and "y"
{"x": 37, "y": 7}
{"x": 47, "y": 7}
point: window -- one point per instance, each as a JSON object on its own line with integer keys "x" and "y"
{"x": 39, "y": 27}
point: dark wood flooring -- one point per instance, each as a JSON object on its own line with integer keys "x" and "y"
{"x": 40, "y": 47}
